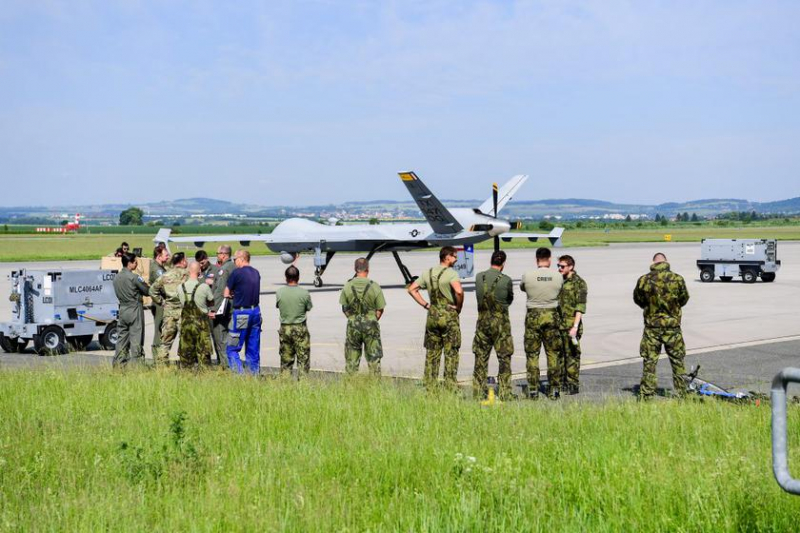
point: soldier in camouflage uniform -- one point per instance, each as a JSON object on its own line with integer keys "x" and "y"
{"x": 363, "y": 303}
{"x": 572, "y": 304}
{"x": 194, "y": 347}
{"x": 495, "y": 294}
{"x": 542, "y": 324}
{"x": 293, "y": 302}
{"x": 164, "y": 292}
{"x": 158, "y": 268}
{"x": 442, "y": 327}
{"x": 661, "y": 294}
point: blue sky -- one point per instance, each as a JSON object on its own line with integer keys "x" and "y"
{"x": 305, "y": 102}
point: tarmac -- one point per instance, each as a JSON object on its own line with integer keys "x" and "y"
{"x": 743, "y": 333}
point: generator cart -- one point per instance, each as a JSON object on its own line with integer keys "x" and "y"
{"x": 59, "y": 309}
{"x": 732, "y": 258}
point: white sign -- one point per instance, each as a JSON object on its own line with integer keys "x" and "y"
{"x": 464, "y": 264}
{"x": 750, "y": 249}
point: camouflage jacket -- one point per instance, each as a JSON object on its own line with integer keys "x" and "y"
{"x": 572, "y": 299}
{"x": 661, "y": 294}
{"x": 165, "y": 289}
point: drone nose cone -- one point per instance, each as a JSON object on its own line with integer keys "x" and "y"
{"x": 499, "y": 227}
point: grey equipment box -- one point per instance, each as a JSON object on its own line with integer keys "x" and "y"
{"x": 731, "y": 258}
{"x": 56, "y": 307}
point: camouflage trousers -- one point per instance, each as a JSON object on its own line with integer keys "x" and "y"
{"x": 570, "y": 377}
{"x": 442, "y": 334}
{"x": 652, "y": 341}
{"x": 194, "y": 347}
{"x": 542, "y": 328}
{"x": 158, "y": 320}
{"x": 363, "y": 334}
{"x": 295, "y": 346}
{"x": 170, "y": 325}
{"x": 493, "y": 330}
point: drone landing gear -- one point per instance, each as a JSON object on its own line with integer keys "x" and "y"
{"x": 321, "y": 265}
{"x": 407, "y": 277}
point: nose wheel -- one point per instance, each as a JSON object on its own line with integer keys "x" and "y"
{"x": 321, "y": 264}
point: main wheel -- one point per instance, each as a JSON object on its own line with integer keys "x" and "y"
{"x": 768, "y": 277}
{"x": 707, "y": 275}
{"x": 749, "y": 276}
{"x": 80, "y": 342}
{"x": 108, "y": 339}
{"x": 50, "y": 342}
{"x": 317, "y": 281}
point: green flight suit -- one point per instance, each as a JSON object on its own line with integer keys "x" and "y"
{"x": 493, "y": 330}
{"x": 293, "y": 303}
{"x": 219, "y": 324}
{"x": 129, "y": 288}
{"x": 571, "y": 300}
{"x": 156, "y": 271}
{"x": 442, "y": 327}
{"x": 360, "y": 299}
{"x": 164, "y": 292}
{"x": 661, "y": 294}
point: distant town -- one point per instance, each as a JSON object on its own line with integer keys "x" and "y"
{"x": 205, "y": 211}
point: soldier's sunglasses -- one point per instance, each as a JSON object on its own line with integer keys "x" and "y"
{"x": 561, "y": 267}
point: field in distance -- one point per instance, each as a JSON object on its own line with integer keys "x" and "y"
{"x": 27, "y": 247}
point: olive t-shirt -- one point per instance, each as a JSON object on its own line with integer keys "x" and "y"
{"x": 503, "y": 291}
{"x": 542, "y": 287}
{"x": 446, "y": 276}
{"x": 372, "y": 299}
{"x": 202, "y": 298}
{"x": 293, "y": 302}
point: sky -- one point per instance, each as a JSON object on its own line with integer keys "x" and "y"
{"x": 306, "y": 102}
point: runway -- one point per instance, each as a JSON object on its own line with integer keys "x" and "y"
{"x": 719, "y": 317}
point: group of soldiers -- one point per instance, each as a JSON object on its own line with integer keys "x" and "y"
{"x": 185, "y": 297}
{"x": 218, "y": 311}
{"x": 556, "y": 303}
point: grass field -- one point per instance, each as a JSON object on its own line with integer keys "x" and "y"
{"x": 15, "y": 248}
{"x": 98, "y": 451}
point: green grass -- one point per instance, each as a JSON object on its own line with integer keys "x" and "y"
{"x": 93, "y": 451}
{"x": 16, "y": 248}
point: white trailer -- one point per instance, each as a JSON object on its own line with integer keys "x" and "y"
{"x": 748, "y": 259}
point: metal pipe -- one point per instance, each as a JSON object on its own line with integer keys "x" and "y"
{"x": 780, "y": 456}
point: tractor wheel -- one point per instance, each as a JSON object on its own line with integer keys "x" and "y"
{"x": 50, "y": 342}
{"x": 749, "y": 276}
{"x": 707, "y": 275}
{"x": 768, "y": 277}
{"x": 8, "y": 344}
{"x": 108, "y": 339}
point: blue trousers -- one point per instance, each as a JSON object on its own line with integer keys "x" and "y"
{"x": 244, "y": 332}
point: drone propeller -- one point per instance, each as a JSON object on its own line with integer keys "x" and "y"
{"x": 494, "y": 203}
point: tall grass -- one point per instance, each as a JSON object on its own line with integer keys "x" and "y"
{"x": 95, "y": 450}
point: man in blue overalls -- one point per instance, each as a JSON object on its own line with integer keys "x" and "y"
{"x": 244, "y": 286}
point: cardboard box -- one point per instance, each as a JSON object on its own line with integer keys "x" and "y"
{"x": 142, "y": 268}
